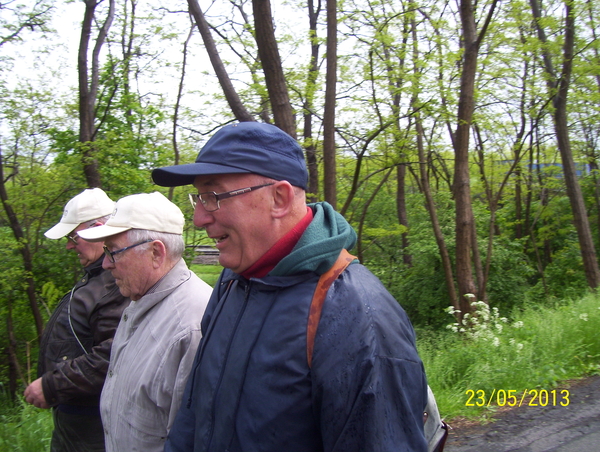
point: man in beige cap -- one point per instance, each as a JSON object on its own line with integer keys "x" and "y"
{"x": 156, "y": 341}
{"x": 76, "y": 341}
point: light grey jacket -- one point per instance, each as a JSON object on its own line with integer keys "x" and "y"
{"x": 151, "y": 358}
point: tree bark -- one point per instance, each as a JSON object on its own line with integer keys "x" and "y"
{"x": 17, "y": 231}
{"x": 464, "y": 226}
{"x": 432, "y": 210}
{"x": 559, "y": 88}
{"x": 313, "y": 71}
{"x": 233, "y": 100}
{"x": 88, "y": 88}
{"x": 329, "y": 168}
{"x": 425, "y": 182}
{"x": 268, "y": 52}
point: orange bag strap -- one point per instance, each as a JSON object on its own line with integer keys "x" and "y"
{"x": 316, "y": 305}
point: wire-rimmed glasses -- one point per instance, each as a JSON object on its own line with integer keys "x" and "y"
{"x": 110, "y": 255}
{"x": 210, "y": 200}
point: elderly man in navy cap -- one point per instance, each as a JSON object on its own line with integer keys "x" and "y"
{"x": 263, "y": 379}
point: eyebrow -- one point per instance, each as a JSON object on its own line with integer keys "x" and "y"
{"x": 211, "y": 184}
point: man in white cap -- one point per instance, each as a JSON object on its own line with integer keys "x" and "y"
{"x": 156, "y": 341}
{"x": 76, "y": 341}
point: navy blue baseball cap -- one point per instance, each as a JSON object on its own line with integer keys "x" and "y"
{"x": 245, "y": 147}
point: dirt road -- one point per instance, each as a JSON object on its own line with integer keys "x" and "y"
{"x": 572, "y": 428}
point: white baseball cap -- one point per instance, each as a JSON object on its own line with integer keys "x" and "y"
{"x": 88, "y": 205}
{"x": 148, "y": 211}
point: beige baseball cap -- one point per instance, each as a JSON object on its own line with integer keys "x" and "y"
{"x": 88, "y": 205}
{"x": 148, "y": 211}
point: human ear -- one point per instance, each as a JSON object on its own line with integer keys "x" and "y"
{"x": 283, "y": 199}
{"x": 159, "y": 253}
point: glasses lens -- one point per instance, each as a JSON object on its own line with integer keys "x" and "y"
{"x": 109, "y": 255}
{"x": 208, "y": 200}
{"x": 193, "y": 199}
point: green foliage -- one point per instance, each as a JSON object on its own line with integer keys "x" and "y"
{"x": 564, "y": 277}
{"x": 24, "y": 428}
{"x": 536, "y": 349}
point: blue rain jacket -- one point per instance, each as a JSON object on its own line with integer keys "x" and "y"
{"x": 251, "y": 389}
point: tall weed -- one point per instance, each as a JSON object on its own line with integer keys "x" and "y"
{"x": 24, "y": 428}
{"x": 536, "y": 349}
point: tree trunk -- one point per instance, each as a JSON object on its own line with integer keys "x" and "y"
{"x": 466, "y": 235}
{"x": 233, "y": 100}
{"x": 313, "y": 71}
{"x": 401, "y": 211}
{"x": 363, "y": 215}
{"x": 268, "y": 52}
{"x": 88, "y": 88}
{"x": 560, "y": 86}
{"x": 426, "y": 186}
{"x": 178, "y": 105}
{"x": 461, "y": 183}
{"x": 329, "y": 168}
{"x": 432, "y": 210}
{"x": 17, "y": 231}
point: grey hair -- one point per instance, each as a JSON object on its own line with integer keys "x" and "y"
{"x": 173, "y": 242}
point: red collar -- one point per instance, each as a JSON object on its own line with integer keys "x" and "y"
{"x": 282, "y": 248}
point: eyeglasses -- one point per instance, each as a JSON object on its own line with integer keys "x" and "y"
{"x": 210, "y": 200}
{"x": 73, "y": 238}
{"x": 110, "y": 255}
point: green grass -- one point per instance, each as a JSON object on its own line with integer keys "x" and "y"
{"x": 24, "y": 428}
{"x": 208, "y": 273}
{"x": 538, "y": 348}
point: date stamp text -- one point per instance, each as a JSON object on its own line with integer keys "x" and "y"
{"x": 510, "y": 397}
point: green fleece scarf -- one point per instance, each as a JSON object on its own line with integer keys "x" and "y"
{"x": 320, "y": 245}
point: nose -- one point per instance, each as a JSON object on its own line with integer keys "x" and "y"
{"x": 202, "y": 218}
{"x": 70, "y": 245}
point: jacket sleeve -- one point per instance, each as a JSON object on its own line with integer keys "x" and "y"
{"x": 181, "y": 435}
{"x": 370, "y": 394}
{"x": 176, "y": 370}
{"x": 82, "y": 377}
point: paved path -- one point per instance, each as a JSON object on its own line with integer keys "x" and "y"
{"x": 574, "y": 428}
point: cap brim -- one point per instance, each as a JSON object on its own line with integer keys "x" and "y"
{"x": 58, "y": 231}
{"x": 101, "y": 232}
{"x": 177, "y": 175}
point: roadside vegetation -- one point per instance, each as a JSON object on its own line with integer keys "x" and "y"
{"x": 510, "y": 361}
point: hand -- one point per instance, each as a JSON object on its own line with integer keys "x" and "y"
{"x": 34, "y": 394}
